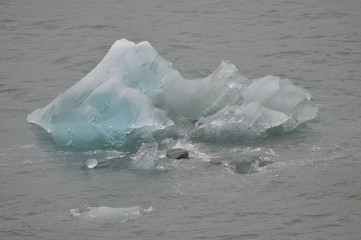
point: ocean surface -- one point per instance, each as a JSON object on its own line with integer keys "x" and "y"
{"x": 311, "y": 191}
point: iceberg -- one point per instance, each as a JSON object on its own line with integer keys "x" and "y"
{"x": 133, "y": 93}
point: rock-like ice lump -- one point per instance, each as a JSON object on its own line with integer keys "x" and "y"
{"x": 133, "y": 92}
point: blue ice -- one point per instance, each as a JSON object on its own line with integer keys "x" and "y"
{"x": 133, "y": 92}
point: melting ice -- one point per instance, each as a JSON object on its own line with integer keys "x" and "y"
{"x": 133, "y": 93}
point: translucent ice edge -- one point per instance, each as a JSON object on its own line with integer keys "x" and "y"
{"x": 133, "y": 95}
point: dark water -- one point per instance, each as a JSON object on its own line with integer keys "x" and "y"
{"x": 312, "y": 191}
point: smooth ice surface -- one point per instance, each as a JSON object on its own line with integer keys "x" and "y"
{"x": 251, "y": 120}
{"x": 197, "y": 98}
{"x": 133, "y": 92}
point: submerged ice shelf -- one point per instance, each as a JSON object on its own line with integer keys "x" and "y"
{"x": 133, "y": 93}
{"x": 104, "y": 214}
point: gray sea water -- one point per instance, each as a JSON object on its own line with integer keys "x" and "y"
{"x": 312, "y": 191}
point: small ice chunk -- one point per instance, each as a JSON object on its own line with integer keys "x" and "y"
{"x": 146, "y": 158}
{"x": 91, "y": 163}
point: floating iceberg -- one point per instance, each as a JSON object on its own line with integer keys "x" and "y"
{"x": 133, "y": 93}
